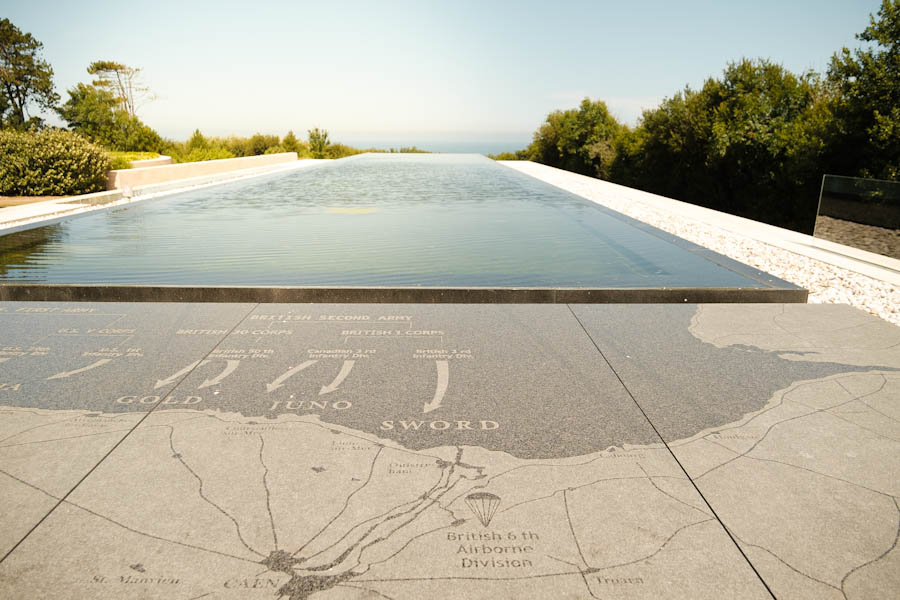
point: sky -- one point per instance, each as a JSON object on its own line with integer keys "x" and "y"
{"x": 454, "y": 74}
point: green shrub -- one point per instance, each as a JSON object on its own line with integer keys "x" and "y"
{"x": 339, "y": 151}
{"x": 247, "y": 146}
{"x": 197, "y": 141}
{"x": 201, "y": 154}
{"x": 123, "y": 160}
{"x": 290, "y": 143}
{"x": 50, "y": 163}
{"x": 117, "y": 162}
{"x": 131, "y": 156}
{"x": 318, "y": 143}
{"x": 258, "y": 144}
{"x": 140, "y": 137}
{"x": 197, "y": 148}
{"x": 506, "y": 156}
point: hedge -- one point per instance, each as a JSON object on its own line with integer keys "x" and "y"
{"x": 50, "y": 163}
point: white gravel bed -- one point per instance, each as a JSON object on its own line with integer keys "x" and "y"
{"x": 827, "y": 284}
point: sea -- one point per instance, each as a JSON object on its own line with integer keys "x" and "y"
{"x": 446, "y": 146}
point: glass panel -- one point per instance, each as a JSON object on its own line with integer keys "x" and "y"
{"x": 867, "y": 201}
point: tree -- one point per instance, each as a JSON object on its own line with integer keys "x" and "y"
{"x": 318, "y": 142}
{"x": 25, "y": 77}
{"x": 90, "y": 112}
{"x": 581, "y": 140}
{"x": 290, "y": 143}
{"x": 750, "y": 144}
{"x": 123, "y": 82}
{"x": 197, "y": 141}
{"x": 4, "y": 106}
{"x": 96, "y": 114}
{"x": 867, "y": 109}
{"x": 258, "y": 143}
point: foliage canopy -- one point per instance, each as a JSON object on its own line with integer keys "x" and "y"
{"x": 25, "y": 77}
{"x": 867, "y": 108}
{"x": 755, "y": 141}
{"x": 95, "y": 113}
{"x": 750, "y": 143}
{"x": 318, "y": 142}
{"x": 580, "y": 140}
{"x": 124, "y": 82}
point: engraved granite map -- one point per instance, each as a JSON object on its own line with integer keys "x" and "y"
{"x": 482, "y": 451}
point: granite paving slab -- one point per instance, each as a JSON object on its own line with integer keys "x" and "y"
{"x": 788, "y": 420}
{"x": 75, "y": 378}
{"x": 389, "y": 451}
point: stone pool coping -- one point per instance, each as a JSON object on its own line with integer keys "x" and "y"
{"x": 381, "y": 295}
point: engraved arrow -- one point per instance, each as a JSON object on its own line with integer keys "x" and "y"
{"x": 171, "y": 378}
{"x": 229, "y": 369}
{"x": 443, "y": 380}
{"x": 345, "y": 370}
{"x": 99, "y": 363}
{"x": 279, "y": 381}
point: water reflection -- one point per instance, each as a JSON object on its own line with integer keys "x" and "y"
{"x": 391, "y": 220}
{"x": 21, "y": 251}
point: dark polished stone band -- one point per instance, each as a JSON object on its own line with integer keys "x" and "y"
{"x": 786, "y": 293}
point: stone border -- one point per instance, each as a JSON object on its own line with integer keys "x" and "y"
{"x": 395, "y": 295}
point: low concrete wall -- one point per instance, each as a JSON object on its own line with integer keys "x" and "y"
{"x": 122, "y": 178}
{"x": 152, "y": 162}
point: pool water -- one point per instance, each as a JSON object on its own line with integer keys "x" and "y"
{"x": 370, "y": 220}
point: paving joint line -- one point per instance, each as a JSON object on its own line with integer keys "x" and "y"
{"x": 678, "y": 462}
{"x": 124, "y": 437}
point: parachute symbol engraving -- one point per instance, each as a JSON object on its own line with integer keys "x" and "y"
{"x": 483, "y": 505}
